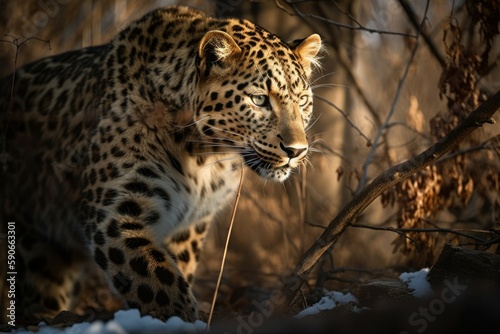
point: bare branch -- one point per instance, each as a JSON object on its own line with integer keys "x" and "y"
{"x": 395, "y": 230}
{"x": 343, "y": 62}
{"x": 346, "y": 116}
{"x": 338, "y": 24}
{"x": 369, "y": 158}
{"x": 383, "y": 182}
{"x": 486, "y": 244}
{"x": 414, "y": 21}
{"x": 358, "y": 270}
{"x": 400, "y": 231}
{"x": 483, "y": 146}
{"x": 332, "y": 274}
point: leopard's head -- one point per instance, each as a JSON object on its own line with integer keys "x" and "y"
{"x": 254, "y": 96}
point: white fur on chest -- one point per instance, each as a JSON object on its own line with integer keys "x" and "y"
{"x": 197, "y": 195}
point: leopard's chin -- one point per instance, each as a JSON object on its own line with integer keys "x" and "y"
{"x": 267, "y": 170}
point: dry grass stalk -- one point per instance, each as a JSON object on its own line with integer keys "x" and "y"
{"x": 231, "y": 223}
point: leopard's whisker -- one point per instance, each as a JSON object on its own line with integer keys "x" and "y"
{"x": 322, "y": 76}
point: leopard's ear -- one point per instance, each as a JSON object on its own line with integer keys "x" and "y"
{"x": 215, "y": 48}
{"x": 307, "y": 50}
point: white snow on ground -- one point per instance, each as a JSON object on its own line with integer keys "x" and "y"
{"x": 130, "y": 321}
{"x": 124, "y": 322}
{"x": 417, "y": 281}
{"x": 328, "y": 302}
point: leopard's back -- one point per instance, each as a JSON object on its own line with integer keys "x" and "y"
{"x": 45, "y": 125}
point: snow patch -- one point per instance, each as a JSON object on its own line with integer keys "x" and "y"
{"x": 417, "y": 281}
{"x": 125, "y": 322}
{"x": 328, "y": 302}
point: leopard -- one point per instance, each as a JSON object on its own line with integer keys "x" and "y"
{"x": 116, "y": 158}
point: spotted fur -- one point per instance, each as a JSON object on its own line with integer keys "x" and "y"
{"x": 120, "y": 155}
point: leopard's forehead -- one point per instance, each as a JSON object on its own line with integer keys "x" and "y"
{"x": 268, "y": 61}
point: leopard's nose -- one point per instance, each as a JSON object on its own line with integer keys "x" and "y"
{"x": 293, "y": 151}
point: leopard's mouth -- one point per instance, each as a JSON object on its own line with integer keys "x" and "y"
{"x": 266, "y": 169}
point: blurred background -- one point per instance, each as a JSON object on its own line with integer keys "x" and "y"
{"x": 382, "y": 96}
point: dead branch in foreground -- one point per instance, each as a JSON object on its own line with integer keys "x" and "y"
{"x": 389, "y": 178}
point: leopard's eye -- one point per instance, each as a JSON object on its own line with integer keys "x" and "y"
{"x": 260, "y": 100}
{"x": 304, "y": 100}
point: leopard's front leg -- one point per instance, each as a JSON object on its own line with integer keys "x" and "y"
{"x": 119, "y": 223}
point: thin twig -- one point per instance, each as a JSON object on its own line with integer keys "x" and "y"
{"x": 483, "y": 146}
{"x": 344, "y": 280}
{"x": 357, "y": 270}
{"x": 231, "y": 223}
{"x": 341, "y": 25}
{"x": 460, "y": 232}
{"x": 414, "y": 21}
{"x": 342, "y": 61}
{"x": 401, "y": 233}
{"x": 346, "y": 116}
{"x": 364, "y": 175}
{"x": 346, "y": 13}
{"x": 486, "y": 244}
